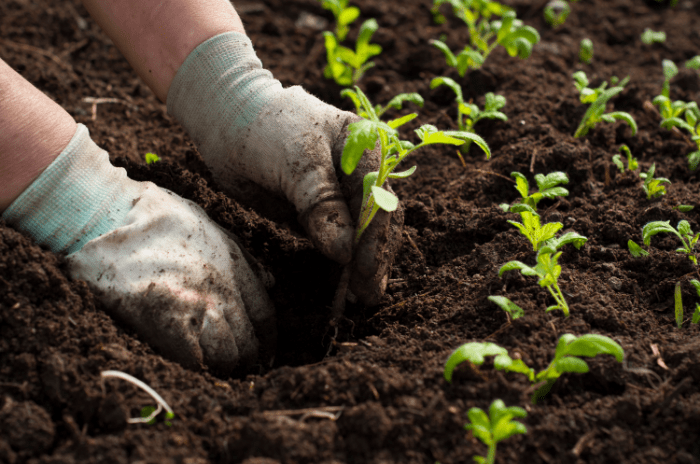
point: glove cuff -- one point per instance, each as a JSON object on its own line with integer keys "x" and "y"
{"x": 77, "y": 198}
{"x": 219, "y": 91}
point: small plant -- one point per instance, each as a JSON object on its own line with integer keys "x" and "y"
{"x": 344, "y": 16}
{"x": 548, "y": 186}
{"x": 566, "y": 359}
{"x": 151, "y": 158}
{"x": 485, "y": 35}
{"x": 670, "y": 71}
{"x": 346, "y": 66}
{"x": 556, "y": 12}
{"x": 395, "y": 103}
{"x": 599, "y": 98}
{"x": 650, "y": 37}
{"x": 585, "y": 51}
{"x": 635, "y": 250}
{"x": 632, "y": 163}
{"x": 678, "y": 305}
{"x": 653, "y": 187}
{"x": 469, "y": 114}
{"x": 684, "y": 232}
{"x": 508, "y": 306}
{"x": 547, "y": 272}
{"x": 683, "y": 208}
{"x": 693, "y": 63}
{"x": 696, "y": 314}
{"x": 161, "y": 402}
{"x": 496, "y": 427}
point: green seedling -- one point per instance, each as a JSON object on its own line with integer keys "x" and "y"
{"x": 469, "y": 114}
{"x": 485, "y": 35}
{"x": 494, "y": 428}
{"x": 532, "y": 229}
{"x": 683, "y": 208}
{"x": 547, "y": 272}
{"x": 556, "y": 12}
{"x": 395, "y": 103}
{"x": 653, "y": 187}
{"x": 693, "y": 63}
{"x": 632, "y": 163}
{"x": 344, "y": 16}
{"x": 566, "y": 359}
{"x": 678, "y": 304}
{"x": 548, "y": 186}
{"x": 346, "y": 66}
{"x": 650, "y": 37}
{"x": 670, "y": 71}
{"x": 508, "y": 306}
{"x": 599, "y": 98}
{"x": 148, "y": 419}
{"x": 585, "y": 51}
{"x": 684, "y": 232}
{"x": 151, "y": 158}
{"x": 635, "y": 250}
{"x": 696, "y": 314}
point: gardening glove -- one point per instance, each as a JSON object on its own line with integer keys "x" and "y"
{"x": 258, "y": 138}
{"x": 154, "y": 259}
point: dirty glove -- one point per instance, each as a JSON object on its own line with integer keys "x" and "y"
{"x": 254, "y": 135}
{"x": 154, "y": 259}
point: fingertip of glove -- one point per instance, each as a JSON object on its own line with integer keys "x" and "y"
{"x": 331, "y": 230}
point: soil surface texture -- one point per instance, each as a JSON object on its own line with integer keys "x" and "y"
{"x": 378, "y": 395}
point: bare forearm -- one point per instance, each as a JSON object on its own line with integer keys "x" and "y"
{"x": 156, "y": 36}
{"x": 33, "y": 132}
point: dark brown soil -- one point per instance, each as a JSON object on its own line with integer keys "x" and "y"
{"x": 384, "y": 374}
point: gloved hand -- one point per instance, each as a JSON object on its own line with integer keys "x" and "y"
{"x": 154, "y": 259}
{"x": 257, "y": 138}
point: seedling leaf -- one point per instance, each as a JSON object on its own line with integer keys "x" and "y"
{"x": 508, "y": 306}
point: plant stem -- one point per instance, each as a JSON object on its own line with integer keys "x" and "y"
{"x": 559, "y": 298}
{"x": 491, "y": 457}
{"x": 338, "y": 306}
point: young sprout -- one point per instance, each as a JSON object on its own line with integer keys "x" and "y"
{"x": 566, "y": 359}
{"x": 344, "y": 16}
{"x": 508, "y": 306}
{"x": 635, "y": 250}
{"x": 485, "y": 35}
{"x": 693, "y": 63}
{"x": 548, "y": 186}
{"x": 678, "y": 304}
{"x": 556, "y": 12}
{"x": 395, "y": 103}
{"x": 496, "y": 427}
{"x": 653, "y": 186}
{"x": 696, "y": 314}
{"x": 161, "y": 402}
{"x": 469, "y": 114}
{"x": 670, "y": 71}
{"x": 547, "y": 272}
{"x": 151, "y": 158}
{"x": 598, "y": 98}
{"x": 650, "y": 37}
{"x": 632, "y": 163}
{"x": 684, "y": 232}
{"x": 683, "y": 208}
{"x": 346, "y": 66}
{"x": 585, "y": 51}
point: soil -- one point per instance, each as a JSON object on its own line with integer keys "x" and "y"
{"x": 379, "y": 395}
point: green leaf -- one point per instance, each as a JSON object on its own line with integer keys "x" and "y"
{"x": 151, "y": 158}
{"x": 394, "y": 123}
{"x": 693, "y": 63}
{"x": 656, "y": 227}
{"x": 522, "y": 208}
{"x": 368, "y": 181}
{"x": 684, "y": 228}
{"x": 635, "y": 250}
{"x": 591, "y": 345}
{"x": 617, "y": 161}
{"x": 465, "y": 136}
{"x": 348, "y": 15}
{"x": 571, "y": 364}
{"x": 454, "y": 86}
{"x": 515, "y": 265}
{"x": 573, "y": 238}
{"x": 508, "y": 306}
{"x": 622, "y": 116}
{"x": 696, "y": 314}
{"x": 551, "y": 180}
{"x": 521, "y": 184}
{"x": 449, "y": 56}
{"x": 678, "y": 305}
{"x": 398, "y": 101}
{"x": 670, "y": 69}
{"x": 385, "y": 199}
{"x": 473, "y": 352}
{"x": 363, "y": 136}
{"x": 402, "y": 175}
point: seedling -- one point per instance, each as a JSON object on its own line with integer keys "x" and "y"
{"x": 346, "y": 66}
{"x": 395, "y": 103}
{"x": 531, "y": 228}
{"x": 684, "y": 232}
{"x": 486, "y": 35}
{"x": 696, "y": 314}
{"x": 547, "y": 272}
{"x": 650, "y": 37}
{"x": 556, "y": 12}
{"x": 693, "y": 63}
{"x": 599, "y": 98}
{"x": 151, "y": 158}
{"x": 671, "y": 113}
{"x": 566, "y": 359}
{"x": 585, "y": 51}
{"x": 548, "y": 186}
{"x": 344, "y": 16}
{"x": 508, "y": 306}
{"x": 497, "y": 426}
{"x": 670, "y": 71}
{"x": 678, "y": 305}
{"x": 469, "y": 114}
{"x": 632, "y": 163}
{"x": 635, "y": 250}
{"x": 653, "y": 187}
{"x": 159, "y": 400}
{"x": 683, "y": 208}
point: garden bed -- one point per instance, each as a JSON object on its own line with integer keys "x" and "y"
{"x": 380, "y": 396}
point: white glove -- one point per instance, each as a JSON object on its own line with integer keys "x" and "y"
{"x": 256, "y": 136}
{"x": 154, "y": 259}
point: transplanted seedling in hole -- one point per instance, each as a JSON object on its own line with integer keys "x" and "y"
{"x": 585, "y": 51}
{"x": 684, "y": 232}
{"x": 486, "y": 34}
{"x": 344, "y": 16}
{"x": 632, "y": 163}
{"x": 653, "y": 186}
{"x": 566, "y": 359}
{"x": 468, "y": 113}
{"x": 599, "y": 98}
{"x": 346, "y": 66}
{"x": 495, "y": 427}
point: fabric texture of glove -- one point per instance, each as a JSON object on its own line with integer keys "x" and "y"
{"x": 257, "y": 137}
{"x": 155, "y": 260}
